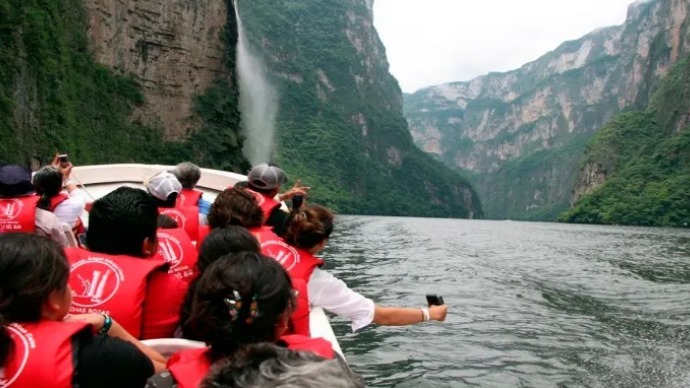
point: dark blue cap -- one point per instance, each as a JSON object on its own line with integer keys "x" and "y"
{"x": 15, "y": 180}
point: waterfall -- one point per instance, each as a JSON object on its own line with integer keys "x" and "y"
{"x": 258, "y": 100}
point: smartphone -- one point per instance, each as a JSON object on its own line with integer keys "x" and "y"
{"x": 297, "y": 201}
{"x": 64, "y": 159}
{"x": 434, "y": 300}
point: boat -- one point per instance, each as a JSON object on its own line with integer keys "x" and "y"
{"x": 99, "y": 180}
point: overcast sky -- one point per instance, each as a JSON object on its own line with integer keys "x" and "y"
{"x": 429, "y": 42}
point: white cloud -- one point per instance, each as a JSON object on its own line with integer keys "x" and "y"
{"x": 435, "y": 41}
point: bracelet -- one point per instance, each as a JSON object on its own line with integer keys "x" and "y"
{"x": 425, "y": 315}
{"x": 106, "y": 325}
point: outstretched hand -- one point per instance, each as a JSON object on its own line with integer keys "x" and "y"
{"x": 296, "y": 189}
{"x": 438, "y": 313}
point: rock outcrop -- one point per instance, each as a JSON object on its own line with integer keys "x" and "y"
{"x": 172, "y": 48}
{"x": 522, "y": 133}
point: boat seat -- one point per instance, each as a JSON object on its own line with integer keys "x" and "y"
{"x": 69, "y": 234}
{"x": 169, "y": 346}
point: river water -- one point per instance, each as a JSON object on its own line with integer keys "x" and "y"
{"x": 531, "y": 304}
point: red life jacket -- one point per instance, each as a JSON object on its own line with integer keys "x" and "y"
{"x": 56, "y": 200}
{"x": 18, "y": 214}
{"x": 188, "y": 198}
{"x": 204, "y": 230}
{"x": 267, "y": 204}
{"x": 189, "y": 367}
{"x": 187, "y": 218}
{"x": 176, "y": 248}
{"x": 299, "y": 319}
{"x": 318, "y": 346}
{"x": 42, "y": 355}
{"x": 274, "y": 246}
{"x": 114, "y": 285}
{"x": 298, "y": 262}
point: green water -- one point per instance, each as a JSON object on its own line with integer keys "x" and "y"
{"x": 531, "y": 304}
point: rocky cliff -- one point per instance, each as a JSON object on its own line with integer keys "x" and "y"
{"x": 173, "y": 49}
{"x": 117, "y": 81}
{"x": 340, "y": 125}
{"x": 522, "y": 133}
{"x": 636, "y": 169}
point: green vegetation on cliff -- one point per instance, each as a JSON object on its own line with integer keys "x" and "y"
{"x": 53, "y": 96}
{"x": 646, "y": 157}
{"x": 340, "y": 126}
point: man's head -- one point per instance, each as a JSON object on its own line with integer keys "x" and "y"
{"x": 124, "y": 222}
{"x": 188, "y": 174}
{"x": 15, "y": 181}
{"x": 267, "y": 365}
{"x": 266, "y": 179}
{"x": 164, "y": 187}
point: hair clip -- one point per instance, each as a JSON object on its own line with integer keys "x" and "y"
{"x": 253, "y": 311}
{"x": 234, "y": 306}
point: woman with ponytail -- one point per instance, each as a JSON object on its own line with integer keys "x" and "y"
{"x": 50, "y": 181}
{"x": 40, "y": 344}
{"x": 241, "y": 299}
{"x": 307, "y": 234}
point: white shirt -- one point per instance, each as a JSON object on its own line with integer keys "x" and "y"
{"x": 333, "y": 295}
{"x": 69, "y": 210}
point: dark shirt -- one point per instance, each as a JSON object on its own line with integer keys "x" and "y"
{"x": 278, "y": 219}
{"x": 186, "y": 310}
{"x": 104, "y": 362}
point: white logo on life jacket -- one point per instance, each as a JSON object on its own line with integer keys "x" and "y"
{"x": 10, "y": 209}
{"x": 175, "y": 215}
{"x": 99, "y": 281}
{"x": 286, "y": 255}
{"x": 170, "y": 249}
{"x": 24, "y": 342}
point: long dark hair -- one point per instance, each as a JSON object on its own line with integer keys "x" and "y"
{"x": 255, "y": 278}
{"x": 31, "y": 267}
{"x": 309, "y": 226}
{"x": 48, "y": 183}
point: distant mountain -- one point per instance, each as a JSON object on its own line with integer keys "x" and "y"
{"x": 636, "y": 170}
{"x": 521, "y": 134}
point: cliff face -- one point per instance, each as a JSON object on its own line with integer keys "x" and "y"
{"x": 636, "y": 169}
{"x": 118, "y": 81}
{"x": 340, "y": 125}
{"x": 173, "y": 49}
{"x": 522, "y": 133}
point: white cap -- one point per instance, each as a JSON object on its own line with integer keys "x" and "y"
{"x": 163, "y": 185}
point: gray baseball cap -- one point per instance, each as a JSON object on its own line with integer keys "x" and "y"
{"x": 266, "y": 177}
{"x": 162, "y": 185}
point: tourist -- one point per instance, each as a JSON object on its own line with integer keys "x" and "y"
{"x": 50, "y": 182}
{"x": 121, "y": 273}
{"x": 267, "y": 365}
{"x": 306, "y": 236}
{"x": 220, "y": 242}
{"x": 266, "y": 181}
{"x": 189, "y": 174}
{"x": 18, "y": 206}
{"x": 241, "y": 299}
{"x": 41, "y": 345}
{"x": 165, "y": 189}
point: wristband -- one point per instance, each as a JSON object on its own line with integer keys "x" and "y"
{"x": 106, "y": 325}
{"x": 425, "y": 314}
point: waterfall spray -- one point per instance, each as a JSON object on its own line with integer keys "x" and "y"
{"x": 258, "y": 100}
